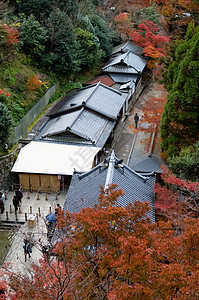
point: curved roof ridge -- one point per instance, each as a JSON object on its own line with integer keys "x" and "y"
{"x": 115, "y": 60}
{"x": 87, "y": 100}
{"x": 111, "y": 168}
{"x": 137, "y": 174}
{"x": 81, "y": 176}
{"x": 110, "y": 88}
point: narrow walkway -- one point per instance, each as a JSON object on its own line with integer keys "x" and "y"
{"x": 133, "y": 144}
{"x": 15, "y": 259}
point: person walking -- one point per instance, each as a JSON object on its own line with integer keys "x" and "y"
{"x": 27, "y": 249}
{"x": 136, "y": 118}
{"x": 15, "y": 202}
{"x": 2, "y": 204}
{"x": 19, "y": 195}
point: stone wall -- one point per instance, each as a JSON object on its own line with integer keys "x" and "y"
{"x": 6, "y": 164}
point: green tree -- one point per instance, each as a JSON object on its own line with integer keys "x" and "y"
{"x": 94, "y": 21}
{"x": 89, "y": 52}
{"x": 5, "y": 123}
{"x": 33, "y": 36}
{"x": 103, "y": 33}
{"x": 61, "y": 44}
{"x": 186, "y": 164}
{"x": 147, "y": 13}
{"x": 179, "y": 126}
{"x": 39, "y": 8}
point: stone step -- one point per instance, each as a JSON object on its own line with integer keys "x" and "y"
{"x": 10, "y": 224}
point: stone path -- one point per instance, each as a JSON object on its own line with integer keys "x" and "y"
{"x": 133, "y": 144}
{"x": 15, "y": 260}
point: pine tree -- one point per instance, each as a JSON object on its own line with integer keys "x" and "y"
{"x": 179, "y": 126}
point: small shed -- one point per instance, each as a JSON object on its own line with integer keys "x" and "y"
{"x": 41, "y": 165}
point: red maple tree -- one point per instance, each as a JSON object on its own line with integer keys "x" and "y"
{"x": 148, "y": 36}
{"x": 115, "y": 253}
{"x": 177, "y": 198}
{"x": 4, "y": 92}
{"x": 12, "y": 35}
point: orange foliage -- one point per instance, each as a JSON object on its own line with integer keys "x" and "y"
{"x": 123, "y": 23}
{"x": 34, "y": 82}
{"x": 179, "y": 196}
{"x": 153, "y": 109}
{"x": 189, "y": 5}
{"x": 121, "y": 17}
{"x": 147, "y": 36}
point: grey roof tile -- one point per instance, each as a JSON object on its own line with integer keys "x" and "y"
{"x": 128, "y": 46}
{"x": 76, "y": 99}
{"x": 106, "y": 100}
{"x": 150, "y": 164}
{"x": 98, "y": 97}
{"x": 90, "y": 124}
{"x": 84, "y": 188}
{"x": 59, "y": 124}
{"x": 84, "y": 126}
{"x": 125, "y": 63}
{"x": 92, "y": 120}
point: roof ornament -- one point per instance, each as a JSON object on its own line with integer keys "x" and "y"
{"x": 118, "y": 162}
{"x": 109, "y": 176}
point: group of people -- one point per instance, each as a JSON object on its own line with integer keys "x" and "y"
{"x": 17, "y": 199}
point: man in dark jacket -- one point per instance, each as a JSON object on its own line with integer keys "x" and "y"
{"x": 136, "y": 118}
{"x": 19, "y": 195}
{"x": 15, "y": 202}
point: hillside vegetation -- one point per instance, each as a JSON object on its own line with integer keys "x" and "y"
{"x": 42, "y": 43}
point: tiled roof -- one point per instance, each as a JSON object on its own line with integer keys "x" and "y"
{"x": 105, "y": 79}
{"x": 84, "y": 188}
{"x": 128, "y": 46}
{"x": 98, "y": 97}
{"x": 78, "y": 127}
{"x": 87, "y": 116}
{"x": 125, "y": 63}
{"x": 150, "y": 164}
